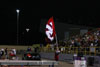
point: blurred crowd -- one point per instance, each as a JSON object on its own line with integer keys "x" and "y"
{"x": 91, "y": 38}
{"x": 5, "y": 53}
{"x": 13, "y": 53}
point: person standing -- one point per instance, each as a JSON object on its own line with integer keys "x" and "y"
{"x": 57, "y": 52}
{"x": 2, "y": 52}
{"x": 6, "y": 53}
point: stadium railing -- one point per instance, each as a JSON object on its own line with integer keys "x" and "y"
{"x": 23, "y": 63}
{"x": 68, "y": 50}
{"x": 72, "y": 50}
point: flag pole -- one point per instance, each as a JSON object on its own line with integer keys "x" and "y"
{"x": 56, "y": 41}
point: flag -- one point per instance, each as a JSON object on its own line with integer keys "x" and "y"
{"x": 50, "y": 29}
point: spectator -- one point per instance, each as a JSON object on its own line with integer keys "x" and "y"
{"x": 57, "y": 54}
{"x": 6, "y": 53}
{"x": 29, "y": 49}
{"x": 36, "y": 49}
{"x": 2, "y": 52}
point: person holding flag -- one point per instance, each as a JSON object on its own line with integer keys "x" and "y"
{"x": 51, "y": 35}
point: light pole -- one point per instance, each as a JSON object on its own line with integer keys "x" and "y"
{"x": 17, "y": 25}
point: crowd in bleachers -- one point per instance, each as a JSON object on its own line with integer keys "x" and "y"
{"x": 91, "y": 38}
{"x": 82, "y": 42}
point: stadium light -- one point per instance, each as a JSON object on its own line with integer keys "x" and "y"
{"x": 17, "y": 10}
{"x": 27, "y": 29}
{"x": 17, "y": 25}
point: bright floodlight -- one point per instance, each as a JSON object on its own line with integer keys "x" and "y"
{"x": 17, "y": 11}
{"x": 27, "y": 29}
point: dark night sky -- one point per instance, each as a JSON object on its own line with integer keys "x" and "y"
{"x": 32, "y": 12}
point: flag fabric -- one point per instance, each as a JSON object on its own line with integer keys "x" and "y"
{"x": 50, "y": 29}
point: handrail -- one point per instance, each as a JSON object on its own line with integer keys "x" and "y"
{"x": 71, "y": 50}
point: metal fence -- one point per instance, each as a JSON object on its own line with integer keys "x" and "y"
{"x": 68, "y": 50}
{"x": 72, "y": 50}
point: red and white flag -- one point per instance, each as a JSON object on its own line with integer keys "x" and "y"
{"x": 50, "y": 29}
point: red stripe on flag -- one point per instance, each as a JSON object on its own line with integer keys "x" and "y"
{"x": 50, "y": 29}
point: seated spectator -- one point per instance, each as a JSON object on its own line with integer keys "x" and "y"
{"x": 29, "y": 49}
